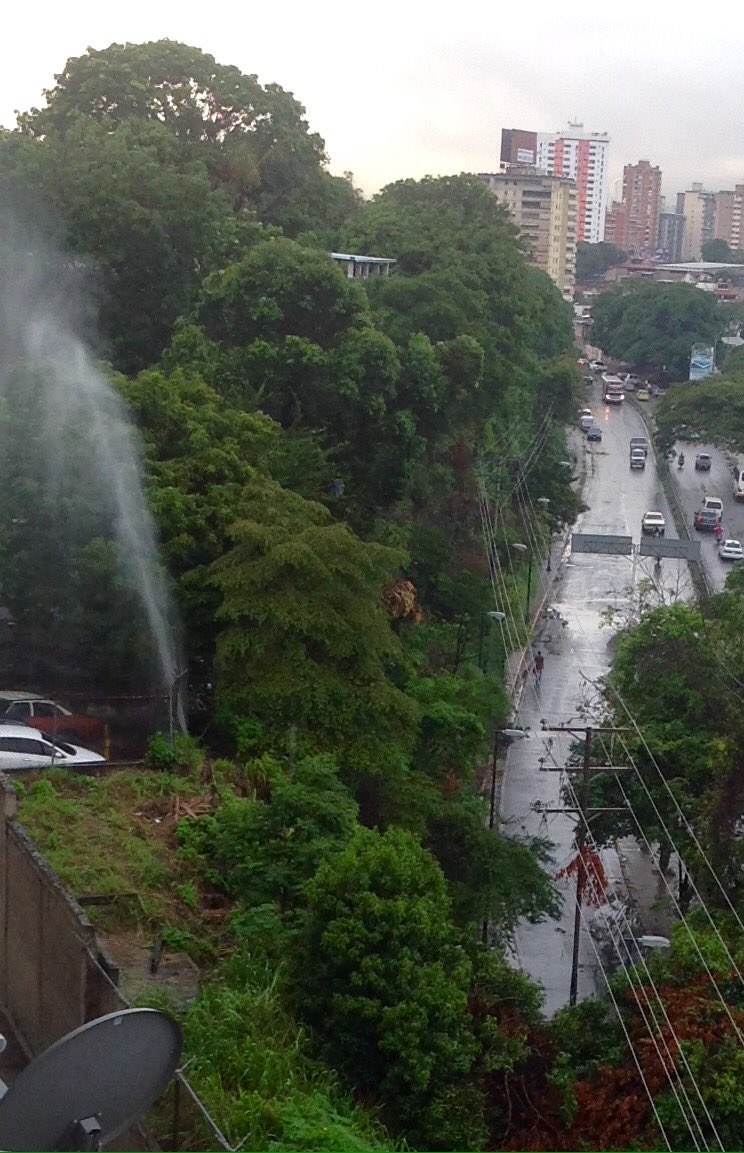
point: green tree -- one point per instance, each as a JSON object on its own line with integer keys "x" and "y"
{"x": 593, "y": 260}
{"x": 306, "y": 644}
{"x": 265, "y": 848}
{"x": 381, "y": 978}
{"x": 655, "y": 325}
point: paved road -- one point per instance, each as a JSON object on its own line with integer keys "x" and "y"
{"x": 693, "y": 486}
{"x": 575, "y": 645}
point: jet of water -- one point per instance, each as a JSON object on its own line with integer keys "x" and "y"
{"x": 86, "y": 422}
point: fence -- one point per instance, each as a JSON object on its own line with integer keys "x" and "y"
{"x": 55, "y": 976}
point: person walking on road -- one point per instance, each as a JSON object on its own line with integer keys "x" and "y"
{"x": 538, "y": 667}
{"x": 719, "y": 532}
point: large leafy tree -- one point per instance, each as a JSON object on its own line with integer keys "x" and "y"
{"x": 593, "y": 260}
{"x": 255, "y": 139}
{"x": 306, "y": 645}
{"x": 655, "y": 325}
{"x": 384, "y": 982}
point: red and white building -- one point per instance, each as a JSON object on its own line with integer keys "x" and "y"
{"x": 582, "y": 157}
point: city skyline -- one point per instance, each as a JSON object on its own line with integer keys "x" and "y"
{"x": 416, "y": 96}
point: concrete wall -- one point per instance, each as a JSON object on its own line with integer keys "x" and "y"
{"x": 50, "y": 982}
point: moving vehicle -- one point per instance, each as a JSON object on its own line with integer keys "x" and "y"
{"x": 681, "y": 460}
{"x": 594, "y": 432}
{"x": 22, "y": 747}
{"x": 731, "y": 550}
{"x": 643, "y": 394}
{"x": 706, "y": 520}
{"x": 632, "y": 380}
{"x": 637, "y": 458}
{"x": 703, "y": 461}
{"x": 716, "y": 503}
{"x": 653, "y": 524}
{"x": 612, "y": 389}
{"x": 639, "y": 442}
{"x": 598, "y": 366}
{"x": 48, "y": 717}
{"x": 586, "y": 418}
{"x": 588, "y": 381}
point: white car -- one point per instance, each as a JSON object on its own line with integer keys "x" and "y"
{"x": 715, "y": 503}
{"x": 637, "y": 458}
{"x": 22, "y": 747}
{"x": 586, "y": 420}
{"x": 730, "y": 550}
{"x": 598, "y": 366}
{"x": 653, "y": 524}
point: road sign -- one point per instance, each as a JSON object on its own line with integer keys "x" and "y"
{"x": 671, "y": 547}
{"x": 601, "y": 542}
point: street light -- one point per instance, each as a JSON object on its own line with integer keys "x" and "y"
{"x": 506, "y": 736}
{"x": 496, "y": 616}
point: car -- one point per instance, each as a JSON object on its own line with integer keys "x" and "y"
{"x": 706, "y": 520}
{"x": 637, "y": 458}
{"x": 598, "y": 366}
{"x": 639, "y": 442}
{"x": 48, "y": 717}
{"x": 716, "y": 503}
{"x": 703, "y": 461}
{"x": 582, "y": 362}
{"x": 588, "y": 381}
{"x": 642, "y": 394}
{"x": 586, "y": 420}
{"x": 22, "y": 747}
{"x": 594, "y": 432}
{"x": 632, "y": 380}
{"x": 653, "y": 524}
{"x": 730, "y": 550}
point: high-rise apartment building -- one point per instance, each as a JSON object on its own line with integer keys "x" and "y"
{"x": 728, "y": 219}
{"x": 544, "y": 210}
{"x": 641, "y": 196}
{"x": 699, "y": 210}
{"x": 582, "y": 157}
{"x": 671, "y": 236}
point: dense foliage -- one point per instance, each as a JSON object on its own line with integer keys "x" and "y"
{"x": 711, "y": 408}
{"x": 655, "y": 325}
{"x": 593, "y": 260}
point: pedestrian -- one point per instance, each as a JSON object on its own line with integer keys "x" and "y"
{"x": 719, "y": 531}
{"x": 538, "y": 667}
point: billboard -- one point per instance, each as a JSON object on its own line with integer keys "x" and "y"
{"x": 701, "y": 361}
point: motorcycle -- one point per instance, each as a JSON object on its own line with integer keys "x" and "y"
{"x": 681, "y": 460}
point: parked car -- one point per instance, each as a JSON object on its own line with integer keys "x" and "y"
{"x": 637, "y": 458}
{"x": 594, "y": 432}
{"x": 703, "y": 461}
{"x": 706, "y": 520}
{"x": 632, "y": 380}
{"x": 730, "y": 550}
{"x": 22, "y": 747}
{"x": 598, "y": 366}
{"x": 739, "y": 483}
{"x": 653, "y": 524}
{"x": 586, "y": 420}
{"x": 49, "y": 717}
{"x": 643, "y": 394}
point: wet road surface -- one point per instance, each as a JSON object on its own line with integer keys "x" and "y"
{"x": 693, "y": 486}
{"x": 574, "y": 638}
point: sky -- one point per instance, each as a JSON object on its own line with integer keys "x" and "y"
{"x": 410, "y": 88}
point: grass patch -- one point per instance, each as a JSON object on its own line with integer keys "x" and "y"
{"x": 114, "y": 835}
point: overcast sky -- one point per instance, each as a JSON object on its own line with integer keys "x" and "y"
{"x": 407, "y": 88}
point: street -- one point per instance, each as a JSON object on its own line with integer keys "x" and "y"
{"x": 692, "y": 487}
{"x": 574, "y": 638}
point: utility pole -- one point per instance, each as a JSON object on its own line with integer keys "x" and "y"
{"x": 585, "y": 813}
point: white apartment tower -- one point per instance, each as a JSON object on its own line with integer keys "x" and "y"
{"x": 582, "y": 157}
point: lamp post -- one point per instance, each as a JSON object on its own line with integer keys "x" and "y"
{"x": 506, "y": 736}
{"x": 523, "y": 548}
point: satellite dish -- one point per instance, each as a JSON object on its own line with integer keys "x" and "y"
{"x": 87, "y": 1087}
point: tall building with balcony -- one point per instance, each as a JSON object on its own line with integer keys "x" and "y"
{"x": 544, "y": 211}
{"x": 582, "y": 157}
{"x": 671, "y": 235}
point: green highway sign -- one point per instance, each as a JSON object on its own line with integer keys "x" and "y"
{"x": 601, "y": 542}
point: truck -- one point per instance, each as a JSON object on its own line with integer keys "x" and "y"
{"x": 613, "y": 392}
